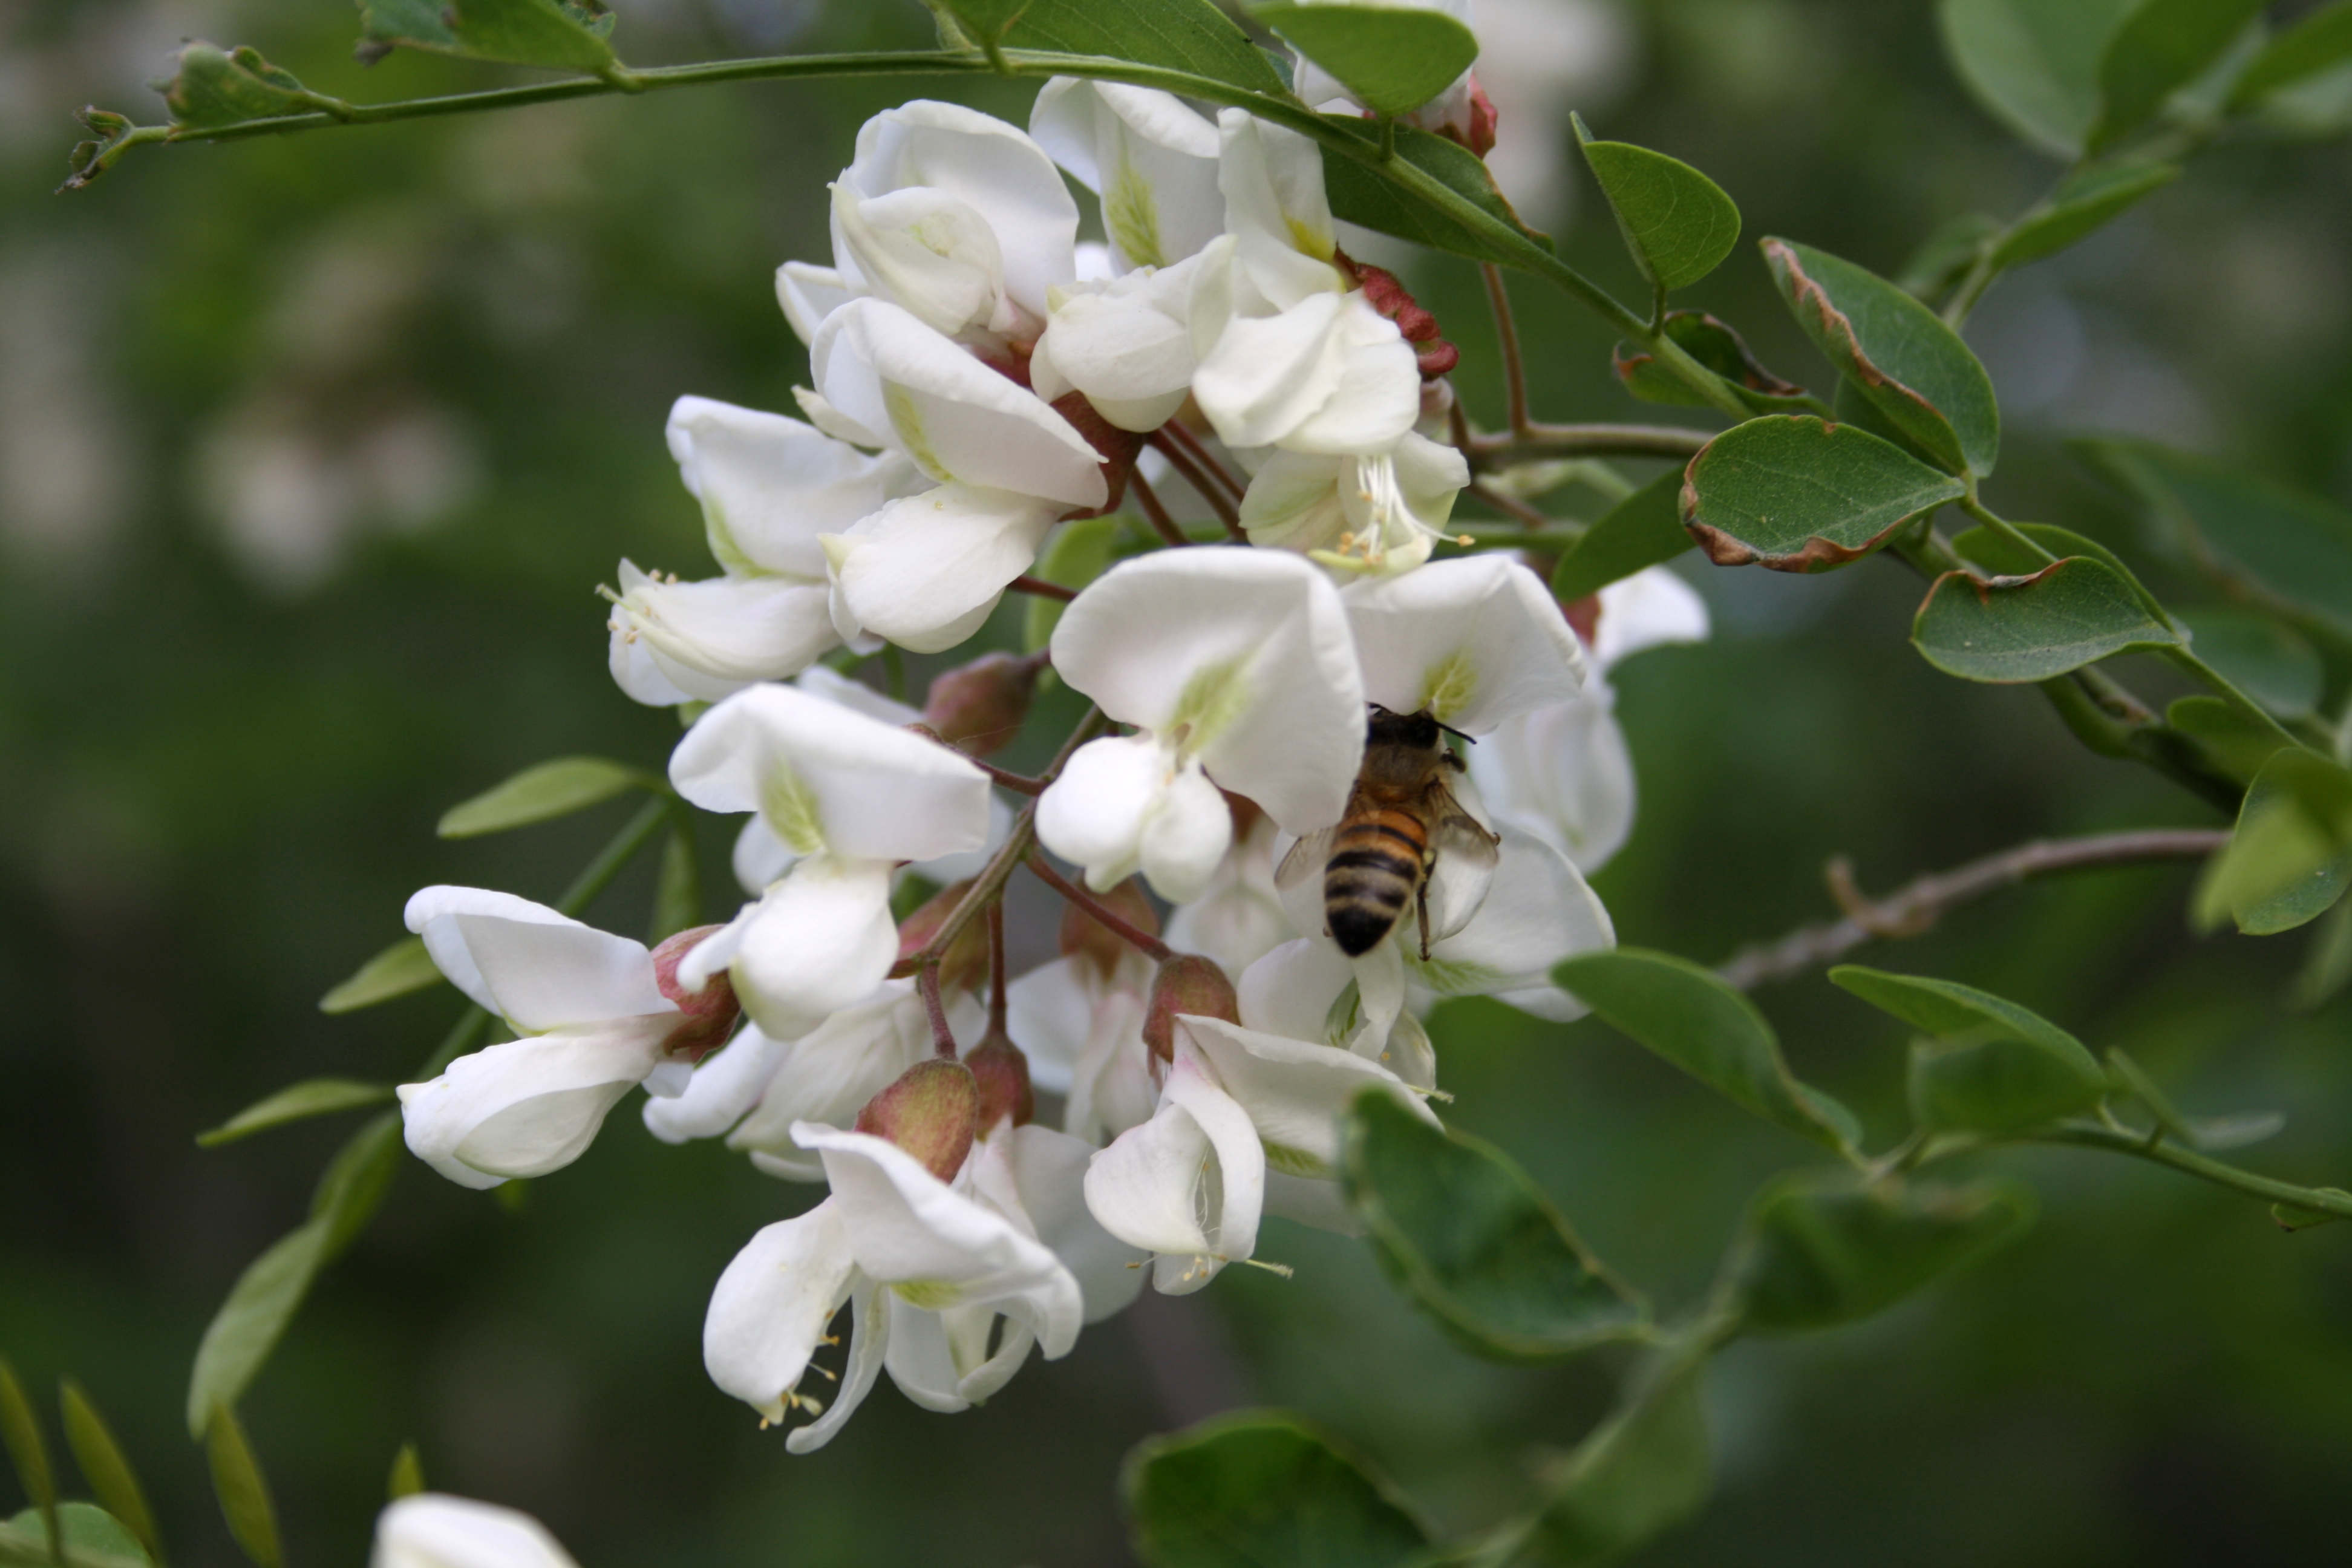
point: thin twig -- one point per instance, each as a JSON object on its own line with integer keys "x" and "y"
{"x": 1143, "y": 941}
{"x": 1515, "y": 375}
{"x": 1181, "y": 433}
{"x": 1189, "y": 472}
{"x": 1540, "y": 441}
{"x": 943, "y": 1040}
{"x": 1024, "y": 583}
{"x": 1154, "y": 512}
{"x": 996, "y": 969}
{"x": 1509, "y": 506}
{"x": 1915, "y": 908}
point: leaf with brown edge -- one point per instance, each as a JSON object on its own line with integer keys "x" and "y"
{"x": 1719, "y": 349}
{"x": 2012, "y": 629}
{"x": 1795, "y": 493}
{"x": 1896, "y": 351}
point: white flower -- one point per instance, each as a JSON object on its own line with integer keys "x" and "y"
{"x": 1234, "y": 664}
{"x": 1126, "y": 343}
{"x": 676, "y": 642}
{"x": 808, "y": 294}
{"x": 1082, "y": 1028}
{"x": 1236, "y": 1106}
{"x": 431, "y": 1530}
{"x": 828, "y": 1074}
{"x": 596, "y": 1017}
{"x": 1147, "y": 154}
{"x": 1472, "y": 641}
{"x": 1384, "y": 511}
{"x": 851, "y": 796}
{"x": 1453, "y": 110}
{"x": 1238, "y": 918}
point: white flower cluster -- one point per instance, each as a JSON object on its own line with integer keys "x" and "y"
{"x": 977, "y": 383}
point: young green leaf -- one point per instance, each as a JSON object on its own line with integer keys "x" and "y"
{"x": 2321, "y": 41}
{"x": 2290, "y": 855}
{"x": 1823, "y": 1251}
{"x": 1795, "y": 493}
{"x": 1896, "y": 351}
{"x": 1470, "y": 1236}
{"x": 678, "y": 890}
{"x": 2161, "y": 48}
{"x": 1075, "y": 555}
{"x": 1261, "y": 1487}
{"x": 2014, "y": 629}
{"x": 1361, "y": 196}
{"x": 243, "y": 1491}
{"x": 1182, "y": 35}
{"x": 1643, "y": 1470}
{"x": 2294, "y": 1216}
{"x": 1392, "y": 59}
{"x": 2329, "y": 964}
{"x": 407, "y": 1478}
{"x": 399, "y": 969}
{"x": 215, "y": 88}
{"x": 1945, "y": 256}
{"x": 541, "y": 794}
{"x": 2235, "y": 741}
{"x": 1947, "y": 1007}
{"x": 2083, "y": 204}
{"x": 1702, "y": 1026}
{"x": 2213, "y": 1134}
{"x": 112, "y": 1480}
{"x": 93, "y": 1538}
{"x": 558, "y": 35}
{"x": 2270, "y": 662}
{"x": 296, "y": 1102}
{"x": 1677, "y": 223}
{"x": 1639, "y": 531}
{"x": 1994, "y": 1083}
{"x": 2034, "y": 64}
{"x": 1995, "y": 553}
{"x": 20, "y": 1431}
{"x": 1720, "y": 350}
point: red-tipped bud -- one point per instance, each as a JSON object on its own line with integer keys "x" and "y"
{"x": 1082, "y": 934}
{"x": 1584, "y": 615}
{"x": 979, "y": 708}
{"x": 1001, "y": 1070}
{"x": 932, "y": 1112}
{"x": 710, "y": 1013}
{"x": 1386, "y": 294}
{"x": 1186, "y": 984}
{"x": 1479, "y": 135}
{"x": 966, "y": 960}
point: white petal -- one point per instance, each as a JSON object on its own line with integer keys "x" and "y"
{"x": 1647, "y": 610}
{"x": 1083, "y": 1038}
{"x": 856, "y": 696}
{"x": 945, "y": 870}
{"x": 771, "y": 1307}
{"x": 1375, "y": 386}
{"x": 432, "y": 1530}
{"x": 1290, "y": 990}
{"x": 925, "y": 252}
{"x": 1562, "y": 773}
{"x": 822, "y": 940}
{"x": 1127, "y": 345}
{"x": 770, "y": 485}
{"x": 1234, "y": 1191}
{"x": 1306, "y": 1201}
{"x": 830, "y": 1073}
{"x": 709, "y": 640}
{"x": 1292, "y": 502}
{"x": 724, "y": 1089}
{"x": 1538, "y": 910}
{"x": 530, "y": 1106}
{"x": 1093, "y": 815}
{"x": 808, "y": 294}
{"x": 1048, "y": 1011}
{"x": 1473, "y": 640}
{"x": 920, "y": 1361}
{"x": 925, "y": 570}
{"x": 1049, "y": 1171}
{"x": 1151, "y": 157}
{"x": 1239, "y": 919}
{"x": 1145, "y": 1188}
{"x": 1294, "y": 1091}
{"x": 760, "y": 856}
{"x": 1186, "y": 839}
{"x": 870, "y": 1343}
{"x": 717, "y": 951}
{"x": 530, "y": 965}
{"x": 1272, "y": 180}
{"x": 1267, "y": 375}
{"x": 827, "y": 777}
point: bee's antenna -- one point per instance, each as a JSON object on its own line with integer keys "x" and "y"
{"x": 1465, "y": 740}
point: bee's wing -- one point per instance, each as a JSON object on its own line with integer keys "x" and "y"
{"x": 1463, "y": 864}
{"x": 1306, "y": 859}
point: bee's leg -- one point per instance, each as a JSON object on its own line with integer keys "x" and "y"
{"x": 1421, "y": 907}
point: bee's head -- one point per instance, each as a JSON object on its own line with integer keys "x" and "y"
{"x": 1419, "y": 730}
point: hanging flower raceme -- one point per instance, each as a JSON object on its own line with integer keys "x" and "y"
{"x": 596, "y": 1015}
{"x": 1235, "y": 665}
{"x": 430, "y": 1530}
{"x": 850, "y": 796}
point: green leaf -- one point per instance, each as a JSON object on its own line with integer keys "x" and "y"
{"x": 263, "y": 1301}
{"x": 1389, "y": 58}
{"x": 2289, "y": 856}
{"x": 1643, "y": 1470}
{"x": 2013, "y": 629}
{"x": 2329, "y": 964}
{"x": 1702, "y": 1026}
{"x": 1947, "y": 1007}
{"x": 2234, "y": 740}
{"x": 2034, "y": 64}
{"x": 1261, "y": 1487}
{"x": 1357, "y": 195}
{"x": 1639, "y": 531}
{"x": 1989, "y": 548}
{"x": 1896, "y": 351}
{"x": 1182, "y": 35}
{"x": 1946, "y": 254}
{"x": 2271, "y": 663}
{"x": 2260, "y": 539}
{"x": 1466, "y": 1233}
{"x": 407, "y": 1478}
{"x": 1994, "y": 1067}
{"x": 678, "y": 890}
{"x": 28, "y": 1451}
{"x": 559, "y": 35}
{"x": 1677, "y": 223}
{"x": 93, "y": 1538}
{"x": 2321, "y": 41}
{"x": 1720, "y": 350}
{"x": 2213, "y": 1134}
{"x": 399, "y": 969}
{"x": 1822, "y": 1251}
{"x": 2293, "y": 1217}
{"x": 1077, "y": 554}
{"x": 312, "y": 1096}
{"x": 2084, "y": 203}
{"x": 541, "y": 794}
{"x": 243, "y": 1491}
{"x": 213, "y": 87}
{"x": 112, "y": 1480}
{"x": 1798, "y": 494}
{"x": 2161, "y": 47}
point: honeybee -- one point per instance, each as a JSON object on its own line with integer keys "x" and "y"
{"x": 1402, "y": 817}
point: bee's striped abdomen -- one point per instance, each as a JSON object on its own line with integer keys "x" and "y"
{"x": 1375, "y": 865}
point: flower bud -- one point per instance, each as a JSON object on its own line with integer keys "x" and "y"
{"x": 1187, "y": 983}
{"x": 979, "y": 708}
{"x": 1082, "y": 934}
{"x": 966, "y": 959}
{"x": 932, "y": 1112}
{"x": 710, "y": 1013}
{"x": 1414, "y": 323}
{"x": 1001, "y": 1070}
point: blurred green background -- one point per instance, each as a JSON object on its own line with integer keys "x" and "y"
{"x": 311, "y": 451}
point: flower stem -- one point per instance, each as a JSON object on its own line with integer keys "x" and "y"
{"x": 1154, "y": 512}
{"x": 1192, "y": 466}
{"x": 2090, "y": 1135}
{"x": 989, "y": 885}
{"x": 996, "y": 968}
{"x": 1102, "y": 914}
{"x": 943, "y": 1040}
{"x": 1024, "y": 583}
{"x": 1509, "y": 506}
{"x": 1506, "y": 334}
{"x": 1541, "y": 441}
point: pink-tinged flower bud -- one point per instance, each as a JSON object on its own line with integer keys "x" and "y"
{"x": 1479, "y": 134}
{"x": 1389, "y": 296}
{"x": 979, "y": 709}
{"x": 1001, "y": 1070}
{"x": 710, "y": 1013}
{"x": 1082, "y": 934}
{"x": 932, "y": 1112}
{"x": 1186, "y": 984}
{"x": 966, "y": 959}
{"x": 1584, "y": 615}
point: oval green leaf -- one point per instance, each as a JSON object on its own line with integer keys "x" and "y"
{"x": 2290, "y": 855}
{"x": 1262, "y": 1486}
{"x": 1678, "y": 224}
{"x": 1948, "y": 1007}
{"x": 1360, "y": 195}
{"x": 1795, "y": 493}
{"x": 112, "y": 1480}
{"x": 1992, "y": 1083}
{"x": 542, "y": 793}
{"x": 1392, "y": 59}
{"x": 93, "y": 1538}
{"x": 2034, "y": 64}
{"x": 554, "y": 33}
{"x": 215, "y": 88}
{"x": 2270, "y": 662}
{"x": 1638, "y": 532}
{"x": 1995, "y": 553}
{"x": 1896, "y": 351}
{"x": 1644, "y": 1469}
{"x": 296, "y": 1102}
{"x": 1822, "y": 1251}
{"x": 399, "y": 969}
{"x": 1190, "y": 36}
{"x": 1466, "y": 1233}
{"x": 243, "y": 1491}
{"x": 1688, "y": 1016}
{"x": 2161, "y": 48}
{"x": 2083, "y": 204}
{"x": 1720, "y": 350}
{"x": 2014, "y": 629}
{"x": 2321, "y": 41}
